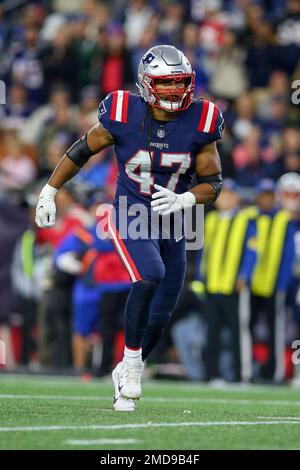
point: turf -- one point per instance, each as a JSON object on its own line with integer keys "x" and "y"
{"x": 61, "y": 413}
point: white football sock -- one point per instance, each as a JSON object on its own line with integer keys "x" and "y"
{"x": 132, "y": 355}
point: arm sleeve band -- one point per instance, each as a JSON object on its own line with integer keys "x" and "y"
{"x": 79, "y": 153}
{"x": 215, "y": 181}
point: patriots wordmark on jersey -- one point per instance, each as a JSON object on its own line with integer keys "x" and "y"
{"x": 151, "y": 152}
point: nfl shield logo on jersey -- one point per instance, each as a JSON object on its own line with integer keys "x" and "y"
{"x": 161, "y": 133}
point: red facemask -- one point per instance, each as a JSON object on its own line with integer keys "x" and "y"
{"x": 175, "y": 98}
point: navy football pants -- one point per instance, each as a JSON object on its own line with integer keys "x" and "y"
{"x": 157, "y": 270}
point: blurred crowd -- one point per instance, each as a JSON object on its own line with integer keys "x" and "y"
{"x": 62, "y": 289}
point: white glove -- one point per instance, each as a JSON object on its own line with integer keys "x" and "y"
{"x": 45, "y": 209}
{"x": 166, "y": 201}
{"x": 68, "y": 263}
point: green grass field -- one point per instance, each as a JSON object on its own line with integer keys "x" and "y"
{"x": 66, "y": 413}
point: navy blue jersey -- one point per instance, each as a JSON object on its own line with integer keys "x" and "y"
{"x": 149, "y": 152}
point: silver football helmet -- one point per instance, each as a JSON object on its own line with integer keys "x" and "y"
{"x": 289, "y": 182}
{"x": 166, "y": 63}
{"x": 288, "y": 192}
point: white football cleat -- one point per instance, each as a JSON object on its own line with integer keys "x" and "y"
{"x": 120, "y": 403}
{"x": 130, "y": 385}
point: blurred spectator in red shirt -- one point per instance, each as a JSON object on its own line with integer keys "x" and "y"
{"x": 116, "y": 73}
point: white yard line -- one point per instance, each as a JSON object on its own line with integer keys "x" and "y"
{"x": 92, "y": 442}
{"x": 296, "y": 418}
{"x": 146, "y": 425}
{"x": 222, "y": 401}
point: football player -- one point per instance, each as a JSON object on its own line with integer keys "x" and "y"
{"x": 162, "y": 137}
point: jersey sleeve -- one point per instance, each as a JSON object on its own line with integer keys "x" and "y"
{"x": 210, "y": 123}
{"x": 113, "y": 112}
{"x": 219, "y": 127}
{"x": 104, "y": 111}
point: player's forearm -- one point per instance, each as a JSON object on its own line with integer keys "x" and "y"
{"x": 64, "y": 171}
{"x": 75, "y": 157}
{"x": 204, "y": 193}
{"x": 78, "y": 154}
{"x": 208, "y": 175}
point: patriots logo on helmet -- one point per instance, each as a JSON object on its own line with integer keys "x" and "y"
{"x": 147, "y": 59}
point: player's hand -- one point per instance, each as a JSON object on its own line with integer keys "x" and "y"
{"x": 166, "y": 201}
{"x": 46, "y": 209}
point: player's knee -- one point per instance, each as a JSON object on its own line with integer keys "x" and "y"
{"x": 142, "y": 292}
{"x": 154, "y": 272}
